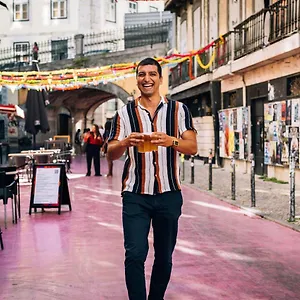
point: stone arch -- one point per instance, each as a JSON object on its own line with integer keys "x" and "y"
{"x": 113, "y": 89}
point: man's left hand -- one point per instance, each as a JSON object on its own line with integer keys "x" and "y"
{"x": 161, "y": 139}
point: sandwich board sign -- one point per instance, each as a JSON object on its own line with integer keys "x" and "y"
{"x": 49, "y": 187}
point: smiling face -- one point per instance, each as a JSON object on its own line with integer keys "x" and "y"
{"x": 148, "y": 80}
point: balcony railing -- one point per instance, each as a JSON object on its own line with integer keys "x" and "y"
{"x": 258, "y": 31}
{"x": 284, "y": 19}
{"x": 267, "y": 26}
{"x": 181, "y": 73}
{"x": 224, "y": 48}
{"x": 249, "y": 36}
{"x": 95, "y": 43}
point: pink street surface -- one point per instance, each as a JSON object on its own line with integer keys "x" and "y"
{"x": 221, "y": 253}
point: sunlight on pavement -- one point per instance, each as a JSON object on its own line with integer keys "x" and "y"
{"x": 188, "y": 216}
{"x": 107, "y": 225}
{"x": 74, "y": 176}
{"x": 189, "y": 250}
{"x": 105, "y": 264}
{"x": 234, "y": 256}
{"x": 224, "y": 208}
{"x": 96, "y": 199}
{"x": 99, "y": 191}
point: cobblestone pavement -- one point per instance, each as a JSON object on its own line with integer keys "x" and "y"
{"x": 272, "y": 199}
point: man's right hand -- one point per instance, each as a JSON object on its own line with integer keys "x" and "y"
{"x": 134, "y": 139}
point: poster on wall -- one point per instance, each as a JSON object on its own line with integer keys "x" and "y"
{"x": 234, "y": 132}
{"x": 295, "y": 112}
{"x": 294, "y": 137}
{"x": 278, "y": 118}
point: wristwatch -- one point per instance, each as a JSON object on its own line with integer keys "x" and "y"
{"x": 175, "y": 143}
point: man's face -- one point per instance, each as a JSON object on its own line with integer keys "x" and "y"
{"x": 148, "y": 80}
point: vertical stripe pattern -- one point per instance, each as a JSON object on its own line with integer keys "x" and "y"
{"x": 157, "y": 171}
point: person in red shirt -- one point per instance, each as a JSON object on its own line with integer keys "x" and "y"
{"x": 94, "y": 142}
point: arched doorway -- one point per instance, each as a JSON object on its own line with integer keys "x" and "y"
{"x": 64, "y": 122}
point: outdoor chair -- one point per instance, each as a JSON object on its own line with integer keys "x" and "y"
{"x": 10, "y": 189}
{"x": 23, "y": 165}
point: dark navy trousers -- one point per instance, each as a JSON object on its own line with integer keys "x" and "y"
{"x": 163, "y": 210}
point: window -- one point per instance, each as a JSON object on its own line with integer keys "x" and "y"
{"x": 196, "y": 18}
{"x": 111, "y": 10}
{"x": 183, "y": 40}
{"x": 58, "y": 9}
{"x": 22, "y": 51}
{"x": 132, "y": 7}
{"x": 59, "y": 50}
{"x": 21, "y": 10}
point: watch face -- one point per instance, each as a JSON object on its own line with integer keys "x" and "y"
{"x": 175, "y": 143}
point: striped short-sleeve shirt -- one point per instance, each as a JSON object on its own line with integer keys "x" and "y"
{"x": 157, "y": 171}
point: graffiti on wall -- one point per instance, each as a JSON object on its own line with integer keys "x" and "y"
{"x": 234, "y": 132}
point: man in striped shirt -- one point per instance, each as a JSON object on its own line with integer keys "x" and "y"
{"x": 150, "y": 182}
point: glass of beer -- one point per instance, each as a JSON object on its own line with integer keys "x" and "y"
{"x": 147, "y": 146}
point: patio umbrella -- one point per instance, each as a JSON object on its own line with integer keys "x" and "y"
{"x": 36, "y": 117}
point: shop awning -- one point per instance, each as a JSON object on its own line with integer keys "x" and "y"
{"x": 12, "y": 109}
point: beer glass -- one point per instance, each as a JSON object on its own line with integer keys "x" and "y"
{"x": 147, "y": 146}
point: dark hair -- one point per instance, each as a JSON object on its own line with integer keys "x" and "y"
{"x": 149, "y": 61}
{"x": 97, "y": 129}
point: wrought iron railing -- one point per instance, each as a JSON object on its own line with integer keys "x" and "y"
{"x": 182, "y": 73}
{"x": 284, "y": 19}
{"x": 249, "y": 36}
{"x": 94, "y": 43}
{"x": 224, "y": 49}
{"x": 48, "y": 51}
{"x": 179, "y": 74}
{"x": 267, "y": 26}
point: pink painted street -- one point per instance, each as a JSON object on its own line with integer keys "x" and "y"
{"x": 222, "y": 251}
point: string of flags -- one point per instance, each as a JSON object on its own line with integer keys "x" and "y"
{"x": 71, "y": 79}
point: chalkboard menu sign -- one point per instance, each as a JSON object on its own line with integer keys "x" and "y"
{"x": 49, "y": 187}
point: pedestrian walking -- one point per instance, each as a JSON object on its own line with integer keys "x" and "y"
{"x": 107, "y": 128}
{"x": 77, "y": 140}
{"x": 93, "y": 142}
{"x": 152, "y": 129}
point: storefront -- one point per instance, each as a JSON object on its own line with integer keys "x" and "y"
{"x": 267, "y": 126}
{"x": 204, "y": 102}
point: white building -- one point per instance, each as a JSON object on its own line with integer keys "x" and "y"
{"x": 29, "y": 21}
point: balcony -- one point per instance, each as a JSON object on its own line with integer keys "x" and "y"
{"x": 267, "y": 27}
{"x": 261, "y": 30}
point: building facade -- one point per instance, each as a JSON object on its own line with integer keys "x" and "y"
{"x": 54, "y": 25}
{"x": 255, "y": 67}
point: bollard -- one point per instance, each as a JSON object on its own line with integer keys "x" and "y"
{"x": 182, "y": 167}
{"x": 292, "y": 187}
{"x": 210, "y": 170}
{"x": 253, "y": 201}
{"x": 192, "y": 170}
{"x": 232, "y": 177}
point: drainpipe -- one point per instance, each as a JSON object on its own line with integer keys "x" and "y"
{"x": 244, "y": 105}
